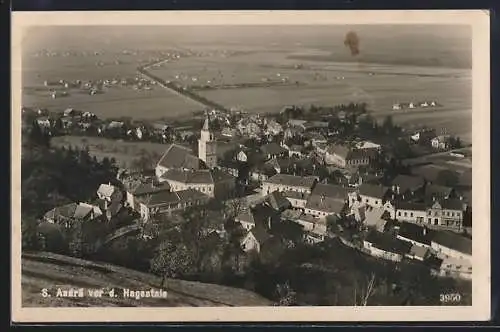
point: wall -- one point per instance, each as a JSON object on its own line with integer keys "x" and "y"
{"x": 376, "y": 252}
{"x": 411, "y": 216}
{"x": 373, "y": 201}
{"x": 450, "y": 252}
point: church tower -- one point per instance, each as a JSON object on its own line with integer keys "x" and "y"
{"x": 207, "y": 146}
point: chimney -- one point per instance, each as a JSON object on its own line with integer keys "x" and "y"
{"x": 397, "y": 189}
{"x": 269, "y": 222}
{"x": 424, "y": 232}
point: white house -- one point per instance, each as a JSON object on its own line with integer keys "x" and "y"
{"x": 246, "y": 219}
{"x": 286, "y": 182}
{"x": 298, "y": 200}
{"x": 109, "y": 194}
{"x": 447, "y": 213}
{"x": 411, "y": 212}
{"x": 249, "y": 243}
{"x": 440, "y": 142}
{"x": 384, "y": 246}
{"x": 451, "y": 245}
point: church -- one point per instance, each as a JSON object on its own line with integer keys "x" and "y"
{"x": 182, "y": 170}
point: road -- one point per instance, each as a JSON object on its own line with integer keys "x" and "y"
{"x": 188, "y": 94}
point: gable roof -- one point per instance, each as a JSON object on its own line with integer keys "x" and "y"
{"x": 372, "y": 190}
{"x": 325, "y": 204}
{"x": 202, "y": 176}
{"x": 246, "y": 216}
{"x": 139, "y": 188}
{"x": 106, "y": 190}
{"x": 177, "y": 156}
{"x": 260, "y": 234}
{"x": 292, "y": 180}
{"x": 340, "y": 150}
{"x": 278, "y": 201}
{"x": 410, "y": 206}
{"x": 408, "y": 182}
{"x": 272, "y": 149}
{"x": 387, "y": 242}
{"x": 415, "y": 233}
{"x": 168, "y": 197}
{"x": 330, "y": 190}
{"x": 453, "y": 241}
{"x": 452, "y": 204}
{"x": 434, "y": 190}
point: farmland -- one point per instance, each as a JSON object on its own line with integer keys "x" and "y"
{"x": 281, "y": 67}
{"x": 123, "y": 152}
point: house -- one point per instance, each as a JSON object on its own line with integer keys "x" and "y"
{"x": 447, "y": 213}
{"x": 176, "y": 157}
{"x": 316, "y": 138}
{"x": 375, "y": 218}
{"x": 295, "y": 151}
{"x": 414, "y": 234}
{"x": 248, "y": 128}
{"x": 419, "y": 253}
{"x": 314, "y": 236}
{"x": 314, "y": 125}
{"x": 213, "y": 183}
{"x": 440, "y": 142}
{"x": 68, "y": 214}
{"x": 407, "y": 186}
{"x": 286, "y": 182}
{"x": 410, "y": 212}
{"x": 246, "y": 219}
{"x": 273, "y": 150}
{"x": 291, "y": 215}
{"x": 115, "y": 125}
{"x": 325, "y": 200}
{"x": 262, "y": 173}
{"x": 297, "y": 200}
{"x": 43, "y": 122}
{"x": 368, "y": 145}
{"x": 451, "y": 245}
{"x": 229, "y": 132}
{"x": 166, "y": 202}
{"x": 69, "y": 112}
{"x": 278, "y": 201}
{"x": 370, "y": 194}
{"x": 383, "y": 245}
{"x": 452, "y": 268}
{"x": 281, "y": 165}
{"x": 109, "y": 193}
{"x": 136, "y": 188}
{"x": 273, "y": 128}
{"x": 342, "y": 156}
{"x": 434, "y": 191}
{"x": 254, "y": 240}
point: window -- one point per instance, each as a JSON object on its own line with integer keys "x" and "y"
{"x": 399, "y": 214}
{"x": 406, "y": 214}
{"x": 376, "y": 202}
{"x": 435, "y": 221}
{"x": 411, "y": 214}
{"x": 435, "y": 213}
{"x": 429, "y": 212}
{"x": 366, "y": 200}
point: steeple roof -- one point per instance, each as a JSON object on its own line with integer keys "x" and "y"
{"x": 206, "y": 124}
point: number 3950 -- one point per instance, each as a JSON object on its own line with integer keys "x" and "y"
{"x": 450, "y": 298}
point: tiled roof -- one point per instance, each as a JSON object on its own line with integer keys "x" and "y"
{"x": 340, "y": 150}
{"x": 452, "y": 204}
{"x": 325, "y": 204}
{"x": 295, "y": 195}
{"x": 106, "y": 190}
{"x": 437, "y": 190}
{"x": 292, "y": 180}
{"x": 273, "y": 149}
{"x": 246, "y": 216}
{"x": 177, "y": 156}
{"x": 408, "y": 182}
{"x": 278, "y": 201}
{"x": 415, "y": 233}
{"x": 453, "y": 241}
{"x": 372, "y": 190}
{"x": 142, "y": 188}
{"x": 388, "y": 243}
{"x": 330, "y": 190}
{"x": 166, "y": 197}
{"x": 202, "y": 176}
{"x": 411, "y": 206}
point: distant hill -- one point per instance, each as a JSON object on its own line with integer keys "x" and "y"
{"x": 51, "y": 271}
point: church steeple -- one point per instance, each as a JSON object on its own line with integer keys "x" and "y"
{"x": 207, "y": 145}
{"x": 206, "y": 124}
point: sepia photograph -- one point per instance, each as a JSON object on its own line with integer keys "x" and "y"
{"x": 250, "y": 166}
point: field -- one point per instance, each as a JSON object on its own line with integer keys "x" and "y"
{"x": 414, "y": 64}
{"x": 46, "y": 270}
{"x": 123, "y": 152}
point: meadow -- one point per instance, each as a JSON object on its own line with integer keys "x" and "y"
{"x": 427, "y": 63}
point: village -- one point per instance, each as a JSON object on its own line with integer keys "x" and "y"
{"x": 315, "y": 169}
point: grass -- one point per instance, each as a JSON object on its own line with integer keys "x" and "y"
{"x": 123, "y": 152}
{"x": 47, "y": 270}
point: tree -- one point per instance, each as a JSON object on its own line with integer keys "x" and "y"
{"x": 29, "y": 233}
{"x": 286, "y": 296}
{"x": 171, "y": 260}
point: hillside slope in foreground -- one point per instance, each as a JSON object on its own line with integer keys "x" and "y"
{"x": 51, "y": 271}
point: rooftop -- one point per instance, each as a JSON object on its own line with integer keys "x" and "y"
{"x": 415, "y": 233}
{"x": 292, "y": 180}
{"x": 408, "y": 182}
{"x": 330, "y": 190}
{"x": 272, "y": 149}
{"x": 387, "y": 242}
{"x": 372, "y": 190}
{"x": 177, "y": 156}
{"x": 453, "y": 241}
{"x": 325, "y": 204}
